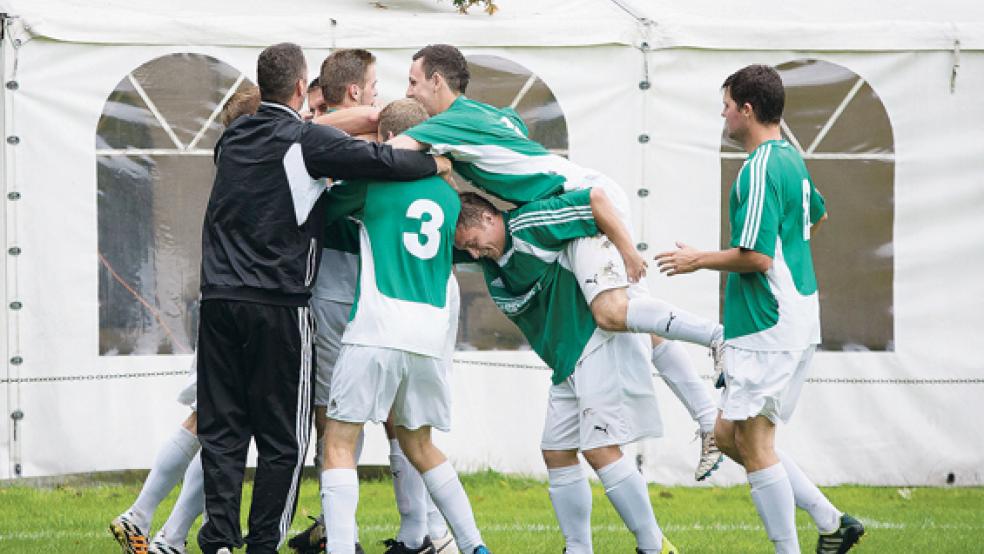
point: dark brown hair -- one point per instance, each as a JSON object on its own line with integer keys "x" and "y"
{"x": 448, "y": 61}
{"x": 760, "y": 86}
{"x": 277, "y": 69}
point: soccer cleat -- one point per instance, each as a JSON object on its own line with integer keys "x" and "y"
{"x": 160, "y": 546}
{"x": 310, "y": 540}
{"x": 223, "y": 550}
{"x": 394, "y": 546}
{"x": 481, "y": 549}
{"x": 710, "y": 455}
{"x": 132, "y": 539}
{"x": 358, "y": 549}
{"x": 445, "y": 544}
{"x": 668, "y": 548}
{"x": 841, "y": 540}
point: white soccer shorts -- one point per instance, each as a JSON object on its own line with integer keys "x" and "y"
{"x": 595, "y": 261}
{"x": 766, "y": 383}
{"x": 331, "y": 318}
{"x": 369, "y": 381}
{"x": 609, "y": 400}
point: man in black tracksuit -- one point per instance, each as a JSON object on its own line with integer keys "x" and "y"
{"x": 260, "y": 249}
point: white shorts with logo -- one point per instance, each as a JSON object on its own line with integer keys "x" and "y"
{"x": 331, "y": 318}
{"x": 594, "y": 260}
{"x": 766, "y": 383}
{"x": 609, "y": 400}
{"x": 189, "y": 394}
{"x": 369, "y": 380}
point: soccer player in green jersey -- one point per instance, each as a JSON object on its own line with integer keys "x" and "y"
{"x": 396, "y": 347}
{"x": 602, "y": 395}
{"x": 348, "y": 81}
{"x": 771, "y": 310}
{"x": 490, "y": 147}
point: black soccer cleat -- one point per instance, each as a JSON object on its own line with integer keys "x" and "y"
{"x": 843, "y": 539}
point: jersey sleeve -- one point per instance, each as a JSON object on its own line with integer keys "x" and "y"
{"x": 553, "y": 222}
{"x": 461, "y": 257}
{"x": 344, "y": 200}
{"x": 342, "y": 235}
{"x": 755, "y": 219}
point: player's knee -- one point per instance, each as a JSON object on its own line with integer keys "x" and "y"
{"x": 600, "y": 457}
{"x": 559, "y": 458}
{"x": 191, "y": 423}
{"x": 609, "y": 308}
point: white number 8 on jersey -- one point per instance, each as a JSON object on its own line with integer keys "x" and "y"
{"x": 431, "y": 229}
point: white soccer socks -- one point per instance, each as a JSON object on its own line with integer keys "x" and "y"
{"x": 339, "y": 500}
{"x": 437, "y": 528}
{"x": 411, "y": 496}
{"x": 446, "y": 490}
{"x": 808, "y": 497}
{"x": 677, "y": 370}
{"x": 773, "y": 498}
{"x": 653, "y": 316}
{"x": 172, "y": 461}
{"x": 189, "y": 506}
{"x": 570, "y": 495}
{"x": 627, "y": 492}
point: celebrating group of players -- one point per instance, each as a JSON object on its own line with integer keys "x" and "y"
{"x": 327, "y": 283}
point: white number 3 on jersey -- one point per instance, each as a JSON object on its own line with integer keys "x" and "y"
{"x": 430, "y": 229}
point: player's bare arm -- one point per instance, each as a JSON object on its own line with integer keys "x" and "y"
{"x": 687, "y": 259}
{"x": 357, "y": 120}
{"x": 405, "y": 142}
{"x": 817, "y": 223}
{"x": 611, "y": 225}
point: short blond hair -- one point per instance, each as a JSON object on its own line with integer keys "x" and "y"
{"x": 400, "y": 115}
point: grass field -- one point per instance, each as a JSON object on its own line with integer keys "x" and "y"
{"x": 515, "y": 516}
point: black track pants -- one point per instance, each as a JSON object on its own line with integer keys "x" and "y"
{"x": 255, "y": 374}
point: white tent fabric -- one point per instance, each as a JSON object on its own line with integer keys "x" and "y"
{"x": 906, "y": 417}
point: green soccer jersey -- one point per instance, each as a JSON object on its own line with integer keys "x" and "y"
{"x": 490, "y": 147}
{"x": 773, "y": 203}
{"x": 532, "y": 283}
{"x": 406, "y": 237}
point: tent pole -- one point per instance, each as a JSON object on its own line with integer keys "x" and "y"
{"x": 10, "y": 411}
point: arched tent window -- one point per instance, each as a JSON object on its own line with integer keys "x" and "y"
{"x": 154, "y": 168}
{"x": 504, "y": 83}
{"x": 840, "y": 126}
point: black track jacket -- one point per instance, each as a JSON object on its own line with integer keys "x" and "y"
{"x": 262, "y": 231}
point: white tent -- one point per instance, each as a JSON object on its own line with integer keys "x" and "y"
{"x": 108, "y": 114}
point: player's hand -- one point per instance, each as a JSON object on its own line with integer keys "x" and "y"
{"x": 443, "y": 165}
{"x": 675, "y": 262}
{"x": 635, "y": 266}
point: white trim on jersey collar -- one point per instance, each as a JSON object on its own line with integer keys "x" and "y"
{"x": 287, "y": 109}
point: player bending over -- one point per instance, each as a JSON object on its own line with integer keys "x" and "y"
{"x": 602, "y": 395}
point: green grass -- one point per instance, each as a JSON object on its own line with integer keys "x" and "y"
{"x": 515, "y": 516}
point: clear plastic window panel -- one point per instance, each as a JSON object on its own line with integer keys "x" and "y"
{"x": 840, "y": 126}
{"x": 504, "y": 83}
{"x": 154, "y": 169}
